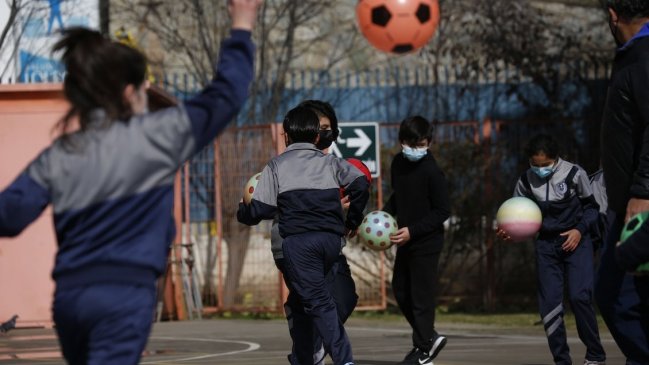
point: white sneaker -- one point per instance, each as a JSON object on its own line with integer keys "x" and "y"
{"x": 319, "y": 356}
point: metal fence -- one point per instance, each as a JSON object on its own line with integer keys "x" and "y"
{"x": 482, "y": 122}
{"x": 482, "y": 160}
{"x": 231, "y": 265}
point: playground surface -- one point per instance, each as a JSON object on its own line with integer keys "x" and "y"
{"x": 374, "y": 342}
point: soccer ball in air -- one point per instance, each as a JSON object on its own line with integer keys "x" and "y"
{"x": 398, "y": 26}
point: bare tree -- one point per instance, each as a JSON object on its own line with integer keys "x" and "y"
{"x": 11, "y": 32}
{"x": 517, "y": 46}
{"x": 14, "y": 8}
{"x": 289, "y": 35}
{"x": 510, "y": 43}
{"x": 24, "y": 29}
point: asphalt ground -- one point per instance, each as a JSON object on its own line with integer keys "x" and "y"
{"x": 374, "y": 342}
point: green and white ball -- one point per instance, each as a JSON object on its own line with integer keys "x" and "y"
{"x": 376, "y": 229}
{"x": 632, "y": 226}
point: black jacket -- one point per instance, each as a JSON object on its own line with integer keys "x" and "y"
{"x": 419, "y": 200}
{"x": 625, "y": 136}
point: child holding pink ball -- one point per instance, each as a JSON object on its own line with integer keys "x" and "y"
{"x": 564, "y": 251}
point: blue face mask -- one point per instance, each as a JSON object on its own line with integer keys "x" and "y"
{"x": 543, "y": 172}
{"x": 414, "y": 154}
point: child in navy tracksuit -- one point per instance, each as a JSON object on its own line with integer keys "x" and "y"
{"x": 564, "y": 252}
{"x": 111, "y": 186}
{"x": 307, "y": 344}
{"x": 302, "y": 186}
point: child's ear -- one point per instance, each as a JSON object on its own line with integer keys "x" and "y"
{"x": 317, "y": 139}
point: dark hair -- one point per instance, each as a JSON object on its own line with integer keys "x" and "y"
{"x": 629, "y": 9}
{"x": 97, "y": 72}
{"x": 542, "y": 143}
{"x": 414, "y": 129}
{"x": 302, "y": 125}
{"x": 324, "y": 109}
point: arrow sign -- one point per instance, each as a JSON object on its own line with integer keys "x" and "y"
{"x": 362, "y": 142}
{"x": 359, "y": 140}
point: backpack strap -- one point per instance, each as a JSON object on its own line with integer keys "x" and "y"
{"x": 528, "y": 186}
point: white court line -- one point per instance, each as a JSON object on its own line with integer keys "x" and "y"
{"x": 512, "y": 339}
{"x": 373, "y": 329}
{"x": 251, "y": 347}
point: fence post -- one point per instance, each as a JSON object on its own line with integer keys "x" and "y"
{"x": 490, "y": 294}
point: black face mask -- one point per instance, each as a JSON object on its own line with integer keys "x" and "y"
{"x": 326, "y": 139}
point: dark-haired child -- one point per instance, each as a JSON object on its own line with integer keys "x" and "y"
{"x": 564, "y": 251}
{"x": 307, "y": 344}
{"x": 110, "y": 184}
{"x": 302, "y": 187}
{"x": 421, "y": 204}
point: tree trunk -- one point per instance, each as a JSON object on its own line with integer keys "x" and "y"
{"x": 237, "y": 236}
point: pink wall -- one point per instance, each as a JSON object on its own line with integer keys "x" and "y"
{"x": 27, "y": 115}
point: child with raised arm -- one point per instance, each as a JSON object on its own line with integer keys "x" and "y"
{"x": 110, "y": 184}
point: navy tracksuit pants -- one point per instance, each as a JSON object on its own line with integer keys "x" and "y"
{"x": 554, "y": 268}
{"x": 623, "y": 300}
{"x": 307, "y": 343}
{"x": 308, "y": 257}
{"x": 104, "y": 324}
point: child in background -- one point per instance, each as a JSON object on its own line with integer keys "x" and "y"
{"x": 564, "y": 251}
{"x": 420, "y": 203}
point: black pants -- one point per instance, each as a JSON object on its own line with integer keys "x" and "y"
{"x": 414, "y": 283}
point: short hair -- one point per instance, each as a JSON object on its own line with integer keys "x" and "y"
{"x": 629, "y": 9}
{"x": 542, "y": 143}
{"x": 323, "y": 109}
{"x": 414, "y": 129}
{"x": 301, "y": 124}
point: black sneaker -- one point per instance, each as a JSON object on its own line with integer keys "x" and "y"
{"x": 439, "y": 342}
{"x": 417, "y": 357}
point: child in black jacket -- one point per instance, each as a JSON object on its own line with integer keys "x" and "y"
{"x": 420, "y": 203}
